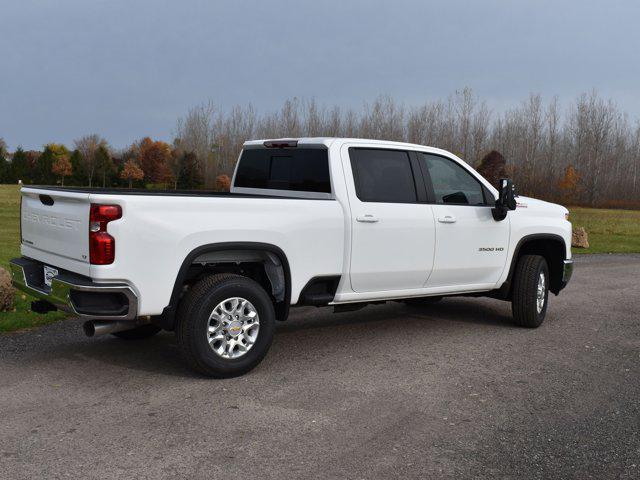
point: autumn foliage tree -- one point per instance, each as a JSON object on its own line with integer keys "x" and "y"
{"x": 131, "y": 171}
{"x": 62, "y": 167}
{"x": 154, "y": 158}
{"x": 570, "y": 184}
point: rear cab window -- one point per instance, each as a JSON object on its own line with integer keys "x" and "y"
{"x": 302, "y": 170}
{"x": 381, "y": 175}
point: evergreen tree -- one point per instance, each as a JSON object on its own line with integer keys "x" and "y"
{"x": 20, "y": 167}
{"x": 5, "y": 171}
{"x": 104, "y": 165}
{"x": 43, "y": 167}
{"x": 190, "y": 176}
{"x": 4, "y": 164}
{"x": 77, "y": 173}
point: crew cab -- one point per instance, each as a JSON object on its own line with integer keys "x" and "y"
{"x": 310, "y": 221}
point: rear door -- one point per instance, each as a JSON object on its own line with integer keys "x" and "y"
{"x": 393, "y": 233}
{"x": 471, "y": 247}
{"x": 55, "y": 225}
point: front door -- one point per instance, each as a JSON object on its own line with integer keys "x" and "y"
{"x": 393, "y": 234}
{"x": 471, "y": 247}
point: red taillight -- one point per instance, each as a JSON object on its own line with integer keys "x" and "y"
{"x": 102, "y": 246}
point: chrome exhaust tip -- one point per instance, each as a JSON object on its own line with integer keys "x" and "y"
{"x": 95, "y": 328}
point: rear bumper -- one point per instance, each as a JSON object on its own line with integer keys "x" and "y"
{"x": 567, "y": 272}
{"x": 74, "y": 293}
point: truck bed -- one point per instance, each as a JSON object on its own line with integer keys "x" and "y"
{"x": 159, "y": 229}
{"x": 161, "y": 193}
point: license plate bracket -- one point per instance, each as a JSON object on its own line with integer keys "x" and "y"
{"x": 49, "y": 273}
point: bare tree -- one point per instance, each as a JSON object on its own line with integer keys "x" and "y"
{"x": 635, "y": 161}
{"x": 195, "y": 134}
{"x": 538, "y": 141}
{"x": 383, "y": 119}
{"x": 552, "y": 145}
{"x": 290, "y": 121}
{"x": 88, "y": 147}
{"x": 464, "y": 104}
{"x": 590, "y": 122}
{"x": 229, "y": 134}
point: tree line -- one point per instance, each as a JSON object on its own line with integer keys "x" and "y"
{"x": 585, "y": 153}
{"x": 92, "y": 162}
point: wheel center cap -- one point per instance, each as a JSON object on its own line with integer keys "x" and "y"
{"x": 235, "y": 328}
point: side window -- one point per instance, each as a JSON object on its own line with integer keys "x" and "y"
{"x": 382, "y": 175}
{"x": 296, "y": 169}
{"x": 452, "y": 184}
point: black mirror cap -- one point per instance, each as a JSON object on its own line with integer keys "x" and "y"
{"x": 508, "y": 193}
{"x": 506, "y": 201}
{"x": 499, "y": 212}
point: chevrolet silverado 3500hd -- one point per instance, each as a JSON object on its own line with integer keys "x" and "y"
{"x": 309, "y": 221}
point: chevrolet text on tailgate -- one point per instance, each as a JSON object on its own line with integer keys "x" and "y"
{"x": 309, "y": 221}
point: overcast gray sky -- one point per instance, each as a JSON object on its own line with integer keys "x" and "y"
{"x": 128, "y": 68}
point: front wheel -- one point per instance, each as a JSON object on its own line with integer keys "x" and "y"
{"x": 530, "y": 292}
{"x": 225, "y": 325}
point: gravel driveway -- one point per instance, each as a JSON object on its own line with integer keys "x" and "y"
{"x": 445, "y": 391}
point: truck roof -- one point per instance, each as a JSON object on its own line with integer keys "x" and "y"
{"x": 328, "y": 141}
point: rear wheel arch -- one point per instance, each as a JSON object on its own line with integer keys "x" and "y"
{"x": 276, "y": 271}
{"x": 551, "y": 247}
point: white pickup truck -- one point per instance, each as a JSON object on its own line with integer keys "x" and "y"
{"x": 309, "y": 221}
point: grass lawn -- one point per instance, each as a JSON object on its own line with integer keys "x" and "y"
{"x": 22, "y": 316}
{"x": 610, "y": 231}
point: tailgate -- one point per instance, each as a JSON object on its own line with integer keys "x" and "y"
{"x": 55, "y": 225}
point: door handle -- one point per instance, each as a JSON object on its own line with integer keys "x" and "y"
{"x": 367, "y": 219}
{"x": 447, "y": 219}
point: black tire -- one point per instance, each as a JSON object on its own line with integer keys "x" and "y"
{"x": 422, "y": 301}
{"x": 193, "y": 322}
{"x": 525, "y": 288}
{"x": 138, "y": 333}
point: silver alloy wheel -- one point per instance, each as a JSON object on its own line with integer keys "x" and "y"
{"x": 233, "y": 327}
{"x": 541, "y": 292}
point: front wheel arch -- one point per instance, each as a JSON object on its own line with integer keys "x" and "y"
{"x": 551, "y": 247}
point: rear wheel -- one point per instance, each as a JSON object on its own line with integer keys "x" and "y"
{"x": 225, "y": 325}
{"x": 530, "y": 292}
{"x": 138, "y": 333}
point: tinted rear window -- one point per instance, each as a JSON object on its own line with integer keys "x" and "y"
{"x": 299, "y": 169}
{"x": 382, "y": 175}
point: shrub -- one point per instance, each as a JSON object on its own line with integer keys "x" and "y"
{"x": 7, "y": 292}
{"x": 223, "y": 183}
{"x": 493, "y": 167}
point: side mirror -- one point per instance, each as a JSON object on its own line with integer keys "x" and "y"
{"x": 506, "y": 200}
